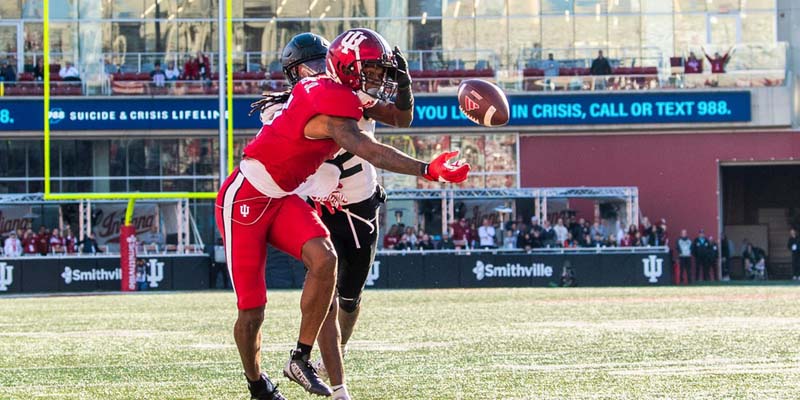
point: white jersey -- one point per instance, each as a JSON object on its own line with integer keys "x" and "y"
{"x": 359, "y": 178}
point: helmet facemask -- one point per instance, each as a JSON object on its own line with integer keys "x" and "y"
{"x": 377, "y": 78}
{"x": 312, "y": 67}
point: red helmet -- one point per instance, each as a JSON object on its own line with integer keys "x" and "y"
{"x": 355, "y": 49}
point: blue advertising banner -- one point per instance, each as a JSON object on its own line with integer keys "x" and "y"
{"x": 599, "y": 108}
{"x": 176, "y": 113}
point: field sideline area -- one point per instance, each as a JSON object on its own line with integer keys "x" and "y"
{"x": 737, "y": 342}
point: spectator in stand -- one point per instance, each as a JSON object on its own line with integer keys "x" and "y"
{"x": 203, "y": 66}
{"x": 56, "y": 242}
{"x": 754, "y": 261}
{"x": 684, "y": 249}
{"x": 526, "y": 241}
{"x": 693, "y": 65}
{"x": 157, "y": 75}
{"x": 38, "y": 71}
{"x": 588, "y": 241}
{"x": 536, "y": 238}
{"x": 600, "y": 67}
{"x": 89, "y": 245}
{"x": 472, "y": 234}
{"x": 548, "y": 235}
{"x": 648, "y": 232}
{"x": 460, "y": 237}
{"x": 446, "y": 243}
{"x": 190, "y": 69}
{"x": 794, "y": 248}
{"x": 487, "y": 235}
{"x": 42, "y": 241}
{"x": 404, "y": 244}
{"x": 701, "y": 250}
{"x": 598, "y": 230}
{"x": 632, "y": 232}
{"x": 713, "y": 258}
{"x": 625, "y": 240}
{"x": 109, "y": 67}
{"x": 172, "y": 73}
{"x": 70, "y": 243}
{"x": 29, "y": 242}
{"x": 8, "y": 73}
{"x": 718, "y": 63}
{"x": 69, "y": 73}
{"x": 551, "y": 69}
{"x": 510, "y": 240}
{"x": 391, "y": 238}
{"x": 637, "y": 239}
{"x": 660, "y": 237}
{"x": 153, "y": 237}
{"x": 410, "y": 237}
{"x": 611, "y": 241}
{"x": 12, "y": 247}
{"x": 570, "y": 242}
{"x": 561, "y": 231}
{"x": 425, "y": 243}
{"x": 725, "y": 250}
{"x": 141, "y": 274}
{"x": 535, "y": 224}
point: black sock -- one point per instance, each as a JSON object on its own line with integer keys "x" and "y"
{"x": 256, "y": 386}
{"x": 303, "y": 351}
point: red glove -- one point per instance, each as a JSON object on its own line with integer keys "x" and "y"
{"x": 440, "y": 170}
{"x": 333, "y": 202}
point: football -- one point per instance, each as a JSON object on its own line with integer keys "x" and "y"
{"x": 483, "y": 102}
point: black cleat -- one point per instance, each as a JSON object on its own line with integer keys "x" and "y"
{"x": 264, "y": 389}
{"x": 301, "y": 372}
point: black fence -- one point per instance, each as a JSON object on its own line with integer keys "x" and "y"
{"x": 96, "y": 273}
{"x": 642, "y": 267}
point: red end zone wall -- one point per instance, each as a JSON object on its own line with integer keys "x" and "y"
{"x": 676, "y": 173}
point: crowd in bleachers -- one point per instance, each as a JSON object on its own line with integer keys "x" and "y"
{"x": 197, "y": 75}
{"x": 565, "y": 232}
{"x": 27, "y": 242}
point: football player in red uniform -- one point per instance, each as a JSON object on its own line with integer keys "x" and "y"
{"x": 256, "y": 206}
{"x": 353, "y": 226}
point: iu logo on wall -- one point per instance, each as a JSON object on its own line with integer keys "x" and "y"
{"x": 653, "y": 268}
{"x": 374, "y": 273}
{"x": 155, "y": 273}
{"x": 6, "y": 276}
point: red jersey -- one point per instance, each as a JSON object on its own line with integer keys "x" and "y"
{"x": 29, "y": 244}
{"x": 282, "y": 147}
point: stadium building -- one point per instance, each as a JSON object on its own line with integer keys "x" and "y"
{"x": 704, "y": 143}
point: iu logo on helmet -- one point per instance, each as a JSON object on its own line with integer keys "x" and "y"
{"x": 244, "y": 209}
{"x": 352, "y": 41}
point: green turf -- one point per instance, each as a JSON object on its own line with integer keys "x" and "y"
{"x": 638, "y": 343}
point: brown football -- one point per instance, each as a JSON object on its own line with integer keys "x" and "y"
{"x": 483, "y": 102}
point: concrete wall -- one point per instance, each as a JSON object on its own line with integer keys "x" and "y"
{"x": 677, "y": 174}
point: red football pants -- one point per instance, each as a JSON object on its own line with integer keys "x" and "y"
{"x": 248, "y": 221}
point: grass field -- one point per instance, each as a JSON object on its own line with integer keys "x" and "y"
{"x": 639, "y": 343}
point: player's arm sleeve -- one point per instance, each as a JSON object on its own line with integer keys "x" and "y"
{"x": 337, "y": 103}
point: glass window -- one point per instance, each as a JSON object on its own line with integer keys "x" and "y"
{"x": 592, "y": 6}
{"x": 490, "y": 8}
{"x": 758, "y": 28}
{"x": 656, "y": 6}
{"x": 657, "y": 33}
{"x": 759, "y": 5}
{"x": 492, "y": 46}
{"x": 523, "y": 8}
{"x": 624, "y": 42}
{"x": 557, "y": 6}
{"x": 682, "y": 6}
{"x": 723, "y": 6}
{"x": 557, "y": 36}
{"x": 690, "y": 31}
{"x": 10, "y": 9}
{"x": 524, "y": 41}
{"x": 627, "y": 6}
{"x": 590, "y": 32}
{"x": 458, "y": 29}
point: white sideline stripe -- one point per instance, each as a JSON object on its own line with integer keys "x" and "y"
{"x": 487, "y": 119}
{"x": 227, "y": 221}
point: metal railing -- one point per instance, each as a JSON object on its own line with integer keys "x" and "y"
{"x": 537, "y": 251}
